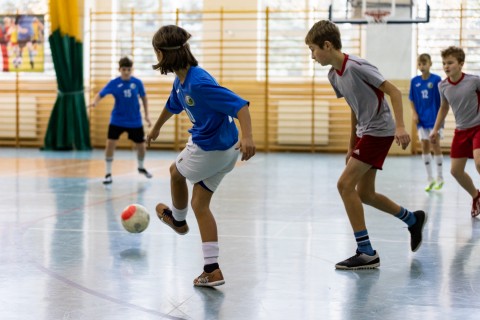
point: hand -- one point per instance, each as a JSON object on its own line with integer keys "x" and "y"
{"x": 247, "y": 147}
{"x": 149, "y": 123}
{"x": 92, "y": 105}
{"x": 401, "y": 137}
{"x": 152, "y": 136}
{"x": 348, "y": 156}
{"x": 433, "y": 136}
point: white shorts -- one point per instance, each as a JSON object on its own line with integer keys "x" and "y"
{"x": 208, "y": 167}
{"x": 424, "y": 133}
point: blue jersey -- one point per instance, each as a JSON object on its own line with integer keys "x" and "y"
{"x": 210, "y": 107}
{"x": 426, "y": 98}
{"x": 126, "y": 111}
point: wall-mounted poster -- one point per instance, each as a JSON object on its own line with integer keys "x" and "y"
{"x": 22, "y": 43}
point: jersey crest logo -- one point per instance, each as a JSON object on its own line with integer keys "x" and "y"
{"x": 133, "y": 86}
{"x": 430, "y": 85}
{"x": 189, "y": 101}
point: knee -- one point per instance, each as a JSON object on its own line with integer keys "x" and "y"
{"x": 174, "y": 174}
{"x": 366, "y": 196}
{"x": 343, "y": 186}
{"x": 456, "y": 172}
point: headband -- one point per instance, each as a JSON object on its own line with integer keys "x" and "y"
{"x": 173, "y": 48}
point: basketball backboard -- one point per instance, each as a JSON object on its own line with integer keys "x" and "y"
{"x": 379, "y": 11}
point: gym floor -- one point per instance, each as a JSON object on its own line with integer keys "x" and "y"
{"x": 282, "y": 227}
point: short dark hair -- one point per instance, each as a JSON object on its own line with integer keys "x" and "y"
{"x": 125, "y": 62}
{"x": 424, "y": 58}
{"x": 455, "y": 52}
{"x": 324, "y": 30}
{"x": 171, "y": 41}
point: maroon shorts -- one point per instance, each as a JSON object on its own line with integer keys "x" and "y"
{"x": 464, "y": 142}
{"x": 372, "y": 150}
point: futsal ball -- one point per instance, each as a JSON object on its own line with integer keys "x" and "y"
{"x": 135, "y": 218}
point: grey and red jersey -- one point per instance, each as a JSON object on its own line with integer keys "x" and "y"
{"x": 358, "y": 83}
{"x": 463, "y": 97}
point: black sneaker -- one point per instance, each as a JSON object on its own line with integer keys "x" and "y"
{"x": 416, "y": 230}
{"x": 360, "y": 261}
{"x": 108, "y": 179}
{"x": 145, "y": 172}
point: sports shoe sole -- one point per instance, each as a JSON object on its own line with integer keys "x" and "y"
{"x": 370, "y": 266}
{"x": 210, "y": 284}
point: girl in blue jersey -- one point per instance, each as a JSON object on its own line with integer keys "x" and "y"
{"x": 126, "y": 115}
{"x": 425, "y": 102}
{"x": 211, "y": 151}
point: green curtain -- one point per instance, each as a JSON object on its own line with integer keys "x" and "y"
{"x": 68, "y": 127}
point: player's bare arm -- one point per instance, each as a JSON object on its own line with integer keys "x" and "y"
{"x": 155, "y": 131}
{"x": 401, "y": 135}
{"x": 442, "y": 114}
{"x": 145, "y": 109}
{"x": 247, "y": 146}
{"x": 95, "y": 102}
{"x": 353, "y": 135}
{"x": 414, "y": 113}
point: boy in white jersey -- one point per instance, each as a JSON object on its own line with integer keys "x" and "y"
{"x": 462, "y": 92}
{"x": 211, "y": 151}
{"x": 372, "y": 133}
{"x": 425, "y": 102}
{"x": 125, "y": 116}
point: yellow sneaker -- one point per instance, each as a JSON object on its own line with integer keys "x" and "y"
{"x": 430, "y": 186}
{"x": 438, "y": 184}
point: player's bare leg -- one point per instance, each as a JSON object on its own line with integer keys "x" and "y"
{"x": 175, "y": 218}
{"x": 109, "y": 152}
{"x": 141, "y": 150}
{"x": 428, "y": 160}
{"x": 211, "y": 275}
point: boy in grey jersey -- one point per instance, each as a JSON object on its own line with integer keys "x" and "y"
{"x": 372, "y": 133}
{"x": 462, "y": 92}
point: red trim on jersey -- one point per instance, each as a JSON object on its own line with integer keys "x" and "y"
{"x": 380, "y": 95}
{"x": 478, "y": 100}
{"x": 457, "y": 82}
{"x": 345, "y": 59}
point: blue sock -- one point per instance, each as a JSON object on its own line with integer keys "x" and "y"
{"x": 406, "y": 216}
{"x": 363, "y": 242}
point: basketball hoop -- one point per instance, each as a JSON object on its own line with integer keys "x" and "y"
{"x": 376, "y": 16}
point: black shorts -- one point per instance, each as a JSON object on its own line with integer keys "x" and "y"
{"x": 135, "y": 134}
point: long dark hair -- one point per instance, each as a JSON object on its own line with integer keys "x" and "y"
{"x": 171, "y": 42}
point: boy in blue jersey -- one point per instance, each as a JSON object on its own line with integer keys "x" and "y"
{"x": 125, "y": 116}
{"x": 211, "y": 151}
{"x": 425, "y": 102}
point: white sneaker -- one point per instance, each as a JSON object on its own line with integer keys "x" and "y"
{"x": 107, "y": 179}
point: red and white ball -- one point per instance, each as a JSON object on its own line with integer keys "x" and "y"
{"x": 135, "y": 218}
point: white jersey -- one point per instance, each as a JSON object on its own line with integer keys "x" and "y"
{"x": 358, "y": 83}
{"x": 463, "y": 97}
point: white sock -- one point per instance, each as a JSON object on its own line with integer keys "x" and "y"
{"x": 427, "y": 160}
{"x": 108, "y": 165}
{"x": 179, "y": 215}
{"x": 140, "y": 163}
{"x": 210, "y": 252}
{"x": 439, "y": 162}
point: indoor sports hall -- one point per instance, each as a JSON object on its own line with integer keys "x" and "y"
{"x": 282, "y": 225}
